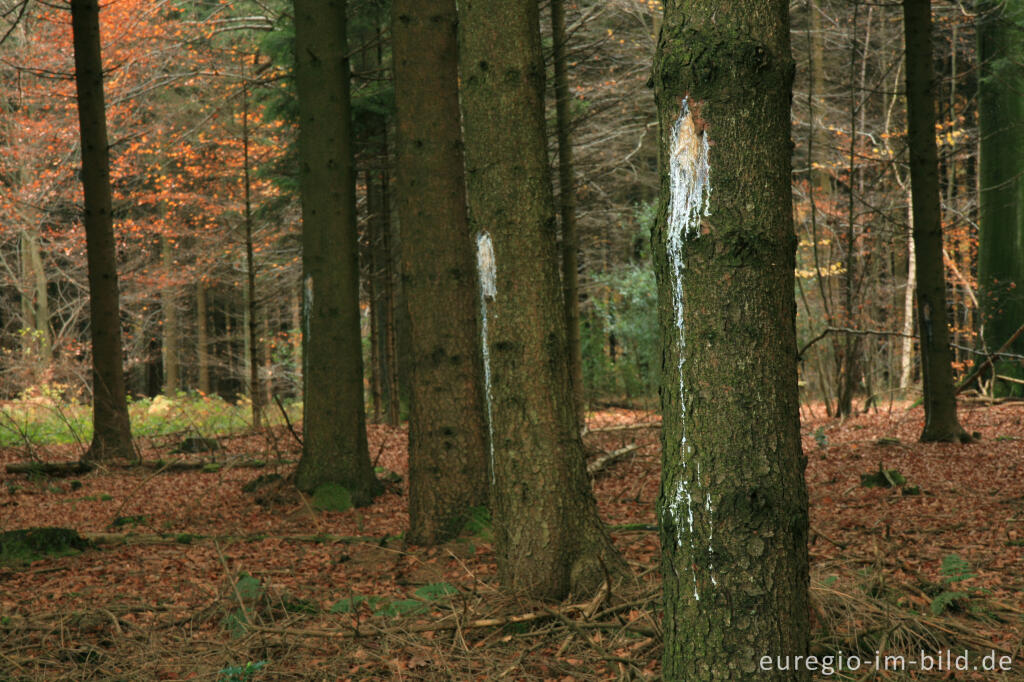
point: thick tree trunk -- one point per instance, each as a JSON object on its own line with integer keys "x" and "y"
{"x": 549, "y": 538}
{"x": 447, "y": 431}
{"x": 334, "y": 426}
{"x": 733, "y": 504}
{"x": 1001, "y": 129}
{"x": 112, "y": 437}
{"x": 567, "y": 210}
{"x": 941, "y": 423}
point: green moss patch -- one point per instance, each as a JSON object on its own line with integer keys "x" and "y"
{"x": 22, "y": 547}
{"x": 332, "y": 497}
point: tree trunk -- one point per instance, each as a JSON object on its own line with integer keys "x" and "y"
{"x": 267, "y": 351}
{"x": 567, "y": 210}
{"x": 941, "y": 423}
{"x": 383, "y": 303}
{"x": 376, "y": 385}
{"x": 202, "y": 339}
{"x": 35, "y": 305}
{"x": 907, "y": 351}
{"x": 1001, "y": 197}
{"x": 447, "y": 432}
{"x": 549, "y": 538}
{"x": 848, "y": 346}
{"x": 334, "y": 446}
{"x": 112, "y": 437}
{"x": 733, "y": 504}
{"x": 171, "y": 334}
{"x": 253, "y": 356}
{"x": 821, "y": 179}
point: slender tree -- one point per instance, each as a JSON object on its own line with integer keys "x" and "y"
{"x": 1001, "y": 199}
{"x": 202, "y": 339}
{"x": 112, "y": 437}
{"x": 549, "y": 538}
{"x": 733, "y": 504}
{"x": 941, "y": 423}
{"x": 447, "y": 430}
{"x": 170, "y": 332}
{"x": 334, "y": 448}
{"x": 251, "y": 333}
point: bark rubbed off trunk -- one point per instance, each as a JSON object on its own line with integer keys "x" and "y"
{"x": 733, "y": 503}
{"x": 549, "y": 538}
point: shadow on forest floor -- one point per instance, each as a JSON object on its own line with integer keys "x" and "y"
{"x": 190, "y": 578}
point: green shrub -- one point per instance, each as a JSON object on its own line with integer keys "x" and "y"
{"x": 625, "y": 307}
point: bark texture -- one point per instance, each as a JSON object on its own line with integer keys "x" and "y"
{"x": 35, "y": 302}
{"x": 549, "y": 538}
{"x": 171, "y": 333}
{"x": 733, "y": 503}
{"x": 334, "y": 423}
{"x": 447, "y": 431}
{"x": 252, "y": 321}
{"x": 202, "y": 339}
{"x": 112, "y": 436}
{"x": 941, "y": 423}
{"x": 567, "y": 209}
{"x": 1001, "y": 129}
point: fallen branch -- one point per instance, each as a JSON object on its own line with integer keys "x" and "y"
{"x": 181, "y": 465}
{"x": 445, "y": 623}
{"x": 608, "y": 458}
{"x": 56, "y": 469}
{"x": 117, "y": 539}
{"x": 625, "y": 427}
{"x": 78, "y": 468}
{"x": 448, "y": 622}
{"x": 856, "y": 332}
{"x": 988, "y": 361}
{"x": 287, "y": 421}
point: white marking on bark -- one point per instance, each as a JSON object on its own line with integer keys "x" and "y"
{"x": 487, "y": 271}
{"x": 689, "y": 193}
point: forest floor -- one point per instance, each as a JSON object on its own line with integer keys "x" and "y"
{"x": 192, "y": 578}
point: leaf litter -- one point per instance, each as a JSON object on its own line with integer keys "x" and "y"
{"x": 192, "y": 579}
